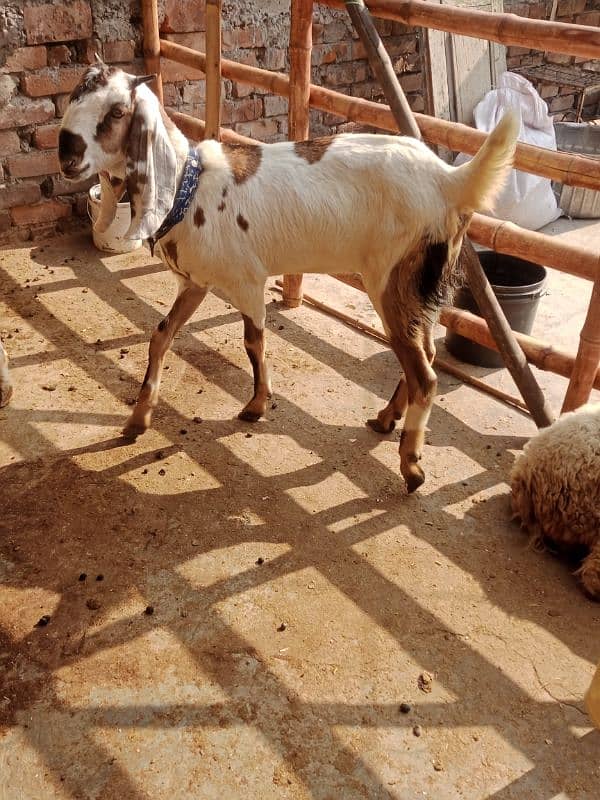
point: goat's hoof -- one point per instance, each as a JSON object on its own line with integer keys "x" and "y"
{"x": 132, "y": 430}
{"x": 381, "y": 427}
{"x": 5, "y": 394}
{"x": 248, "y": 415}
{"x": 589, "y": 580}
{"x": 414, "y": 479}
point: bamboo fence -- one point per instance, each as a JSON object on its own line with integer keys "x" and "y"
{"x": 504, "y": 237}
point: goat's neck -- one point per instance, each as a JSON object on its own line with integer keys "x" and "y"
{"x": 180, "y": 144}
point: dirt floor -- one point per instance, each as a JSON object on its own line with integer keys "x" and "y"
{"x": 240, "y": 611}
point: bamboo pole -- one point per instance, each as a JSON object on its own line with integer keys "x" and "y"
{"x": 441, "y": 363}
{"x": 152, "y": 43}
{"x": 196, "y": 129}
{"x": 574, "y": 170}
{"x": 511, "y": 353}
{"x": 300, "y": 51}
{"x": 505, "y": 237}
{"x": 213, "y": 69}
{"x": 508, "y": 29}
{"x": 588, "y": 355}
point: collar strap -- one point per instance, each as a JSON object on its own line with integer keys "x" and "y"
{"x": 185, "y": 194}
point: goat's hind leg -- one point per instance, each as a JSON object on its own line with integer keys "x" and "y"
{"x": 252, "y": 307}
{"x": 385, "y": 421}
{"x": 421, "y": 385}
{"x": 184, "y": 306}
{"x": 6, "y": 388}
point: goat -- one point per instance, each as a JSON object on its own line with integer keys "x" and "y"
{"x": 6, "y": 388}
{"x": 382, "y": 206}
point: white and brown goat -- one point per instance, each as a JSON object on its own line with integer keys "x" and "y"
{"x": 382, "y": 206}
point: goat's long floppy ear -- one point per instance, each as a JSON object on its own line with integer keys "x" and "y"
{"x": 111, "y": 191}
{"x": 151, "y": 167}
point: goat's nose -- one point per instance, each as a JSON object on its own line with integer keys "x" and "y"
{"x": 69, "y": 163}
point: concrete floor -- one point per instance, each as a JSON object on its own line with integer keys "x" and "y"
{"x": 298, "y": 595}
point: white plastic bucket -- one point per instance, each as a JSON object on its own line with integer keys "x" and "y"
{"x": 111, "y": 241}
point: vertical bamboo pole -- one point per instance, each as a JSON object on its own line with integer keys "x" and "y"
{"x": 152, "y": 43}
{"x": 588, "y": 354}
{"x": 300, "y": 56}
{"x": 213, "y": 68}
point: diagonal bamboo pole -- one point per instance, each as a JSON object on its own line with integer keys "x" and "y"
{"x": 513, "y": 356}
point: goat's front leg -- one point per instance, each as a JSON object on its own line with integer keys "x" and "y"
{"x": 6, "y": 388}
{"x": 184, "y": 306}
{"x": 254, "y": 342}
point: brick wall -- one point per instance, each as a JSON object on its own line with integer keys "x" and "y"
{"x": 561, "y": 100}
{"x": 45, "y": 46}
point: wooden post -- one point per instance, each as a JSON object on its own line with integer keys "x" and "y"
{"x": 513, "y": 356}
{"x": 213, "y": 68}
{"x": 299, "y": 109}
{"x": 588, "y": 354}
{"x": 152, "y": 43}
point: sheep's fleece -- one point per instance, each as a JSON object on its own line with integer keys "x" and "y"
{"x": 556, "y": 487}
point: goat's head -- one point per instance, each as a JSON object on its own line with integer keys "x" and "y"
{"x": 113, "y": 126}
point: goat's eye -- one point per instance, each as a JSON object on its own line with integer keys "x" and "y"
{"x": 116, "y": 112}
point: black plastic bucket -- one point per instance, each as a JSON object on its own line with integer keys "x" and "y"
{"x": 518, "y": 285}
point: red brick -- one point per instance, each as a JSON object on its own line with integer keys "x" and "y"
{"x": 242, "y": 90}
{"x": 330, "y": 53}
{"x": 5, "y": 221}
{"x": 562, "y": 103}
{"x": 9, "y": 143}
{"x": 339, "y": 75}
{"x": 23, "y": 111}
{"x": 121, "y": 51}
{"x": 261, "y": 129}
{"x": 58, "y": 23}
{"x": 26, "y": 58}
{"x": 241, "y": 110}
{"x": 173, "y": 72}
{"x": 19, "y": 194}
{"x": 548, "y": 90}
{"x": 87, "y": 49}
{"x": 57, "y": 80}
{"x": 335, "y": 31}
{"x": 183, "y": 16}
{"x": 243, "y": 38}
{"x": 411, "y": 82}
{"x": 588, "y": 18}
{"x": 416, "y": 102}
{"x": 46, "y": 136}
{"x": 33, "y": 163}
{"x": 274, "y": 58}
{"x": 194, "y": 92}
{"x": 46, "y": 211}
{"x": 58, "y": 54}
{"x": 171, "y": 96}
{"x": 275, "y": 105}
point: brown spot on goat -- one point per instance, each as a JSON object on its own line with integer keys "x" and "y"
{"x": 313, "y": 150}
{"x": 221, "y": 206}
{"x": 199, "y": 218}
{"x": 244, "y": 160}
{"x": 242, "y": 222}
{"x": 170, "y": 249}
{"x": 112, "y": 128}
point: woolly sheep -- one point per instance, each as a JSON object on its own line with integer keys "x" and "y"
{"x": 556, "y": 490}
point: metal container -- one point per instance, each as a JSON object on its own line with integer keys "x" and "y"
{"x": 582, "y": 139}
{"x": 518, "y": 286}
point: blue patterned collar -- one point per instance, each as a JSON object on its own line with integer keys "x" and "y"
{"x": 185, "y": 194}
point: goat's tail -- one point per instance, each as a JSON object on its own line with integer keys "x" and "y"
{"x": 478, "y": 181}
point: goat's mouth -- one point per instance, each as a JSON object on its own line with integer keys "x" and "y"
{"x": 76, "y": 174}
